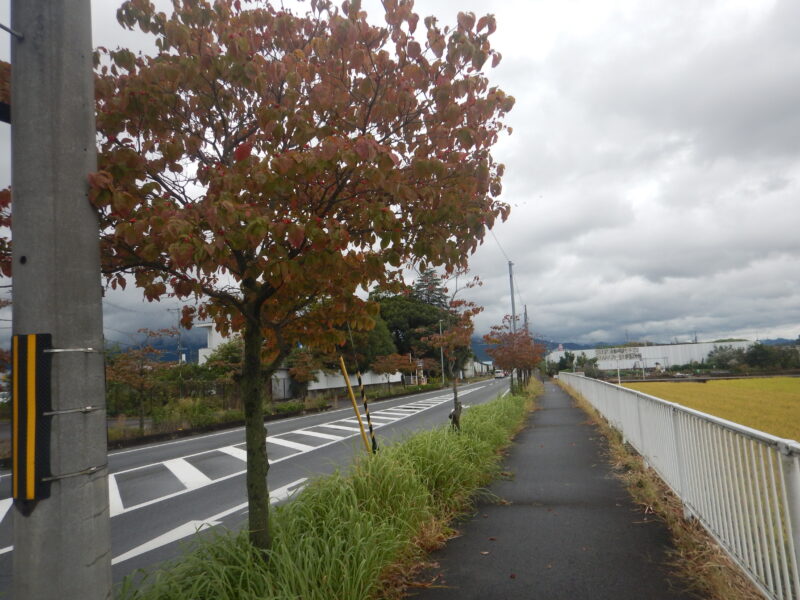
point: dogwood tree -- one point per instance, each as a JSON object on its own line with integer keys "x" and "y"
{"x": 268, "y": 164}
{"x": 513, "y": 350}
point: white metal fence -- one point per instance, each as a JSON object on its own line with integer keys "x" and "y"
{"x": 743, "y": 485}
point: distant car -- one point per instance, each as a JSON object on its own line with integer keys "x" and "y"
{"x": 499, "y": 374}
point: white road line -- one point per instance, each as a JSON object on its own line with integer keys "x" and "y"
{"x": 278, "y": 441}
{"x": 235, "y": 452}
{"x": 5, "y": 504}
{"x": 192, "y": 527}
{"x": 342, "y": 427}
{"x": 234, "y": 430}
{"x": 354, "y": 422}
{"x": 189, "y": 475}
{"x": 241, "y": 454}
{"x": 383, "y": 418}
{"x": 395, "y": 415}
{"x": 114, "y": 499}
{"x": 326, "y": 436}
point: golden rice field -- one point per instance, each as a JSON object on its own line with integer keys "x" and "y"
{"x": 771, "y": 405}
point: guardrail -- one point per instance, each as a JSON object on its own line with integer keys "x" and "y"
{"x": 743, "y": 485}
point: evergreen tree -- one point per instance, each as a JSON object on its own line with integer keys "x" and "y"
{"x": 428, "y": 288}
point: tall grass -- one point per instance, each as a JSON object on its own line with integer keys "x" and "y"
{"x": 339, "y": 538}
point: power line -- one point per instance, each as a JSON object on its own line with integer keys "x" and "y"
{"x": 499, "y": 245}
{"x": 517, "y": 294}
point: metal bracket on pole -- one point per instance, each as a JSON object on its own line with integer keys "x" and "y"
{"x": 60, "y": 350}
{"x": 87, "y": 471}
{"x": 70, "y": 411}
{"x": 16, "y": 34}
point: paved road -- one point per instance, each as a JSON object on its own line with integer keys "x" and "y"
{"x": 568, "y": 529}
{"x": 162, "y": 493}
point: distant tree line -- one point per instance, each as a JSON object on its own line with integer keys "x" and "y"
{"x": 757, "y": 357}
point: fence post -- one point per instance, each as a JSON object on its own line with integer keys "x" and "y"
{"x": 790, "y": 465}
{"x": 641, "y": 449}
{"x": 679, "y": 458}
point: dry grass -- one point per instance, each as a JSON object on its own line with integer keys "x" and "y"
{"x": 767, "y": 404}
{"x": 706, "y": 569}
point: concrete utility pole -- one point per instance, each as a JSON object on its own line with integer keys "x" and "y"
{"x": 62, "y": 546}
{"x": 525, "y": 320}
{"x": 513, "y": 308}
{"x": 441, "y": 351}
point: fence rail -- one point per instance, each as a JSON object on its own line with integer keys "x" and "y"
{"x": 743, "y": 485}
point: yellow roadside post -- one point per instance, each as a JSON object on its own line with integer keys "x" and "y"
{"x": 363, "y": 392}
{"x": 355, "y": 406}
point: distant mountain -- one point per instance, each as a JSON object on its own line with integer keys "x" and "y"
{"x": 479, "y": 349}
{"x": 573, "y": 346}
{"x": 190, "y": 341}
{"x": 779, "y": 342}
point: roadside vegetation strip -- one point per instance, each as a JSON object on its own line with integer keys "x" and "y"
{"x": 706, "y": 569}
{"x": 768, "y": 404}
{"x": 347, "y": 535}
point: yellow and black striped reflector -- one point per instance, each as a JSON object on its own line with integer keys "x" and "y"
{"x": 30, "y": 427}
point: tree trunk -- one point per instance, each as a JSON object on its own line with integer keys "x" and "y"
{"x": 255, "y": 435}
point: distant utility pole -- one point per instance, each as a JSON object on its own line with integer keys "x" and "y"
{"x": 180, "y": 345}
{"x": 441, "y": 351}
{"x": 525, "y": 320}
{"x": 62, "y": 542}
{"x": 513, "y": 308}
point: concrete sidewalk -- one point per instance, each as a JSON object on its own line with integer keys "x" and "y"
{"x": 568, "y": 531}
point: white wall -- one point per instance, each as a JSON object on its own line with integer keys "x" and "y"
{"x": 213, "y": 340}
{"x": 327, "y": 381}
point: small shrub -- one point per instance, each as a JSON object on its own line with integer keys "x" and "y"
{"x": 292, "y": 406}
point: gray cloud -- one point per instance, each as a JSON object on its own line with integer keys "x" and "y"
{"x": 653, "y": 171}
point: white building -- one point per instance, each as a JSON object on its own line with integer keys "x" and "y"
{"x": 476, "y": 368}
{"x": 648, "y": 357}
{"x": 213, "y": 340}
{"x": 281, "y": 380}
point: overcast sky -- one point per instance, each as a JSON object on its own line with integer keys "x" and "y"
{"x": 653, "y": 172}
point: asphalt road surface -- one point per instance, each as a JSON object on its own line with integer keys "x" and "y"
{"x": 162, "y": 494}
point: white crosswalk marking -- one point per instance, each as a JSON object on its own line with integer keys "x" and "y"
{"x": 278, "y": 441}
{"x": 325, "y": 436}
{"x": 354, "y": 422}
{"x": 235, "y": 452}
{"x": 114, "y": 499}
{"x": 189, "y": 475}
{"x": 192, "y": 478}
{"x": 5, "y": 504}
{"x": 342, "y": 427}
